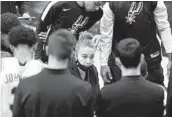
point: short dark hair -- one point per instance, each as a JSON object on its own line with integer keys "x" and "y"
{"x": 85, "y": 39}
{"x": 129, "y": 52}
{"x": 22, "y": 35}
{"x": 8, "y": 21}
{"x": 61, "y": 43}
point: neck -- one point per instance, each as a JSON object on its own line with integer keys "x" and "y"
{"x": 130, "y": 71}
{"x": 54, "y": 63}
{"x": 23, "y": 57}
{"x": 80, "y": 3}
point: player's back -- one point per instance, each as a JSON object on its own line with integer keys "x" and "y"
{"x": 11, "y": 73}
{"x": 54, "y": 93}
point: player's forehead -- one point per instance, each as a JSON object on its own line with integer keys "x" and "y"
{"x": 86, "y": 50}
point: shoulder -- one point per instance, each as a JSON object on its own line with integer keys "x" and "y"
{"x": 98, "y": 13}
{"x": 9, "y": 63}
{"x": 8, "y": 59}
{"x": 154, "y": 88}
{"x": 5, "y": 54}
{"x": 29, "y": 81}
{"x": 55, "y": 4}
{"x": 33, "y": 67}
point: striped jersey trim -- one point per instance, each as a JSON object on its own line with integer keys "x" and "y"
{"x": 48, "y": 7}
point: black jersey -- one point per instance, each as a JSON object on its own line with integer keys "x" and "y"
{"x": 68, "y": 15}
{"x": 136, "y": 20}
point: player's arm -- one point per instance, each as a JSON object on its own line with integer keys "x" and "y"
{"x": 48, "y": 17}
{"x": 106, "y": 31}
{"x": 105, "y": 43}
{"x": 163, "y": 25}
{"x": 17, "y": 105}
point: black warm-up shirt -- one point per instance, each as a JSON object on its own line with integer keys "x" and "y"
{"x": 53, "y": 93}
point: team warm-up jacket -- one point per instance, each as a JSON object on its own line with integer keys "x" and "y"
{"x": 139, "y": 20}
{"x": 68, "y": 15}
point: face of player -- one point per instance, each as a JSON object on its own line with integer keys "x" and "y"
{"x": 85, "y": 56}
{"x": 93, "y": 5}
{"x": 23, "y": 52}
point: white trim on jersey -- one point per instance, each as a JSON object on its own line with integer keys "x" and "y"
{"x": 165, "y": 98}
{"x": 48, "y": 7}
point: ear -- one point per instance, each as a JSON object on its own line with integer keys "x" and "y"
{"x": 75, "y": 54}
{"x": 12, "y": 48}
{"x": 142, "y": 59}
{"x": 118, "y": 61}
{"x": 46, "y": 49}
{"x": 35, "y": 46}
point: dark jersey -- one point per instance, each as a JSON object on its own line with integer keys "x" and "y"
{"x": 68, "y": 15}
{"x": 136, "y": 20}
{"x": 53, "y": 93}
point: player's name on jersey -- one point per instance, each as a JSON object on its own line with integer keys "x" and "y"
{"x": 12, "y": 77}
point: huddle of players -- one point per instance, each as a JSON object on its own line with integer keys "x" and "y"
{"x": 51, "y": 91}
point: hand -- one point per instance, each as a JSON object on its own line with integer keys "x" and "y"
{"x": 96, "y": 40}
{"x": 43, "y": 36}
{"x": 106, "y": 73}
{"x": 169, "y": 63}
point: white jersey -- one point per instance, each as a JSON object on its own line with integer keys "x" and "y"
{"x": 10, "y": 75}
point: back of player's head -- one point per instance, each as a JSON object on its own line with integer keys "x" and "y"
{"x": 61, "y": 43}
{"x": 85, "y": 40}
{"x": 22, "y": 35}
{"x": 8, "y": 21}
{"x": 129, "y": 52}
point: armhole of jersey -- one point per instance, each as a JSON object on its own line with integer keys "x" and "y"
{"x": 111, "y": 4}
{"x": 154, "y": 5}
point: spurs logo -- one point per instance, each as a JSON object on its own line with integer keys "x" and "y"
{"x": 133, "y": 11}
{"x": 80, "y": 22}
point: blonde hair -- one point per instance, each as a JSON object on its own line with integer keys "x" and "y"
{"x": 85, "y": 39}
